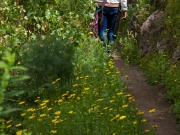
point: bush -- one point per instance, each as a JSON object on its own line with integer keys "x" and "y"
{"x": 47, "y": 61}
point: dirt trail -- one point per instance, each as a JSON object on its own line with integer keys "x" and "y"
{"x": 148, "y": 97}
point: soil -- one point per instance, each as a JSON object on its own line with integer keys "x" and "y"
{"x": 148, "y": 97}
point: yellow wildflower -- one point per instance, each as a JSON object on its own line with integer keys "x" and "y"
{"x": 9, "y": 126}
{"x": 140, "y": 112}
{"x": 31, "y": 117}
{"x": 53, "y": 82}
{"x": 122, "y": 117}
{"x": 20, "y": 103}
{"x": 99, "y": 100}
{"x": 45, "y": 101}
{"x": 23, "y": 114}
{"x": 49, "y": 109}
{"x": 70, "y": 112}
{"x": 124, "y": 106}
{"x": 58, "y": 79}
{"x": 120, "y": 93}
{"x": 9, "y": 121}
{"x": 25, "y": 130}
{"x": 90, "y": 33}
{"x": 36, "y": 100}
{"x": 53, "y": 131}
{"x": 131, "y": 98}
{"x": 19, "y": 132}
{"x": 60, "y": 100}
{"x": 89, "y": 110}
{"x": 146, "y": 131}
{"x": 55, "y": 121}
{"x": 70, "y": 37}
{"x": 108, "y": 73}
{"x": 152, "y": 111}
{"x": 86, "y": 89}
{"x": 155, "y": 126}
{"x": 128, "y": 95}
{"x": 64, "y": 95}
{"x": 57, "y": 117}
{"x": 111, "y": 101}
{"x": 75, "y": 85}
{"x": 57, "y": 113}
{"x": 31, "y": 110}
{"x": 18, "y": 125}
{"x": 117, "y": 116}
{"x": 42, "y": 115}
{"x": 143, "y": 120}
{"x": 72, "y": 95}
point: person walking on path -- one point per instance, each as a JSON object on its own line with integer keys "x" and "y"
{"x": 110, "y": 12}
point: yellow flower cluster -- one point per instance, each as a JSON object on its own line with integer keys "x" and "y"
{"x": 53, "y": 131}
{"x": 152, "y": 111}
{"x": 86, "y": 89}
{"x": 22, "y": 102}
{"x": 56, "y": 80}
{"x": 118, "y": 117}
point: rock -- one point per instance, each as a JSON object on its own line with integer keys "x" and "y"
{"x": 176, "y": 55}
{"x": 150, "y": 32}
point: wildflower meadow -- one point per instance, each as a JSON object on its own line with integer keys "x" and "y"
{"x": 57, "y": 79}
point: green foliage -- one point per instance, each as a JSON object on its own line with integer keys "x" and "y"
{"x": 48, "y": 60}
{"x": 176, "y": 109}
{"x": 94, "y": 104}
{"x": 171, "y": 80}
{"x": 74, "y": 87}
{"x": 172, "y": 24}
{"x": 156, "y": 65}
{"x": 6, "y": 69}
{"x": 129, "y": 49}
{"x": 25, "y": 20}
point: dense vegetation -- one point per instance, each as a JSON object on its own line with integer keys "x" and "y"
{"x": 57, "y": 79}
{"x": 162, "y": 64}
{"x": 62, "y": 91}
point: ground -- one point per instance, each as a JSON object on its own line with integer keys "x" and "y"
{"x": 148, "y": 97}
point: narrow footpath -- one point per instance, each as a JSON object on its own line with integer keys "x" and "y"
{"x": 148, "y": 97}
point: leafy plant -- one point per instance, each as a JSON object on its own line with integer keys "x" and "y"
{"x": 129, "y": 46}
{"x": 94, "y": 104}
{"x": 156, "y": 65}
{"x": 73, "y": 80}
{"x": 172, "y": 32}
{"x": 48, "y": 60}
{"x": 6, "y": 69}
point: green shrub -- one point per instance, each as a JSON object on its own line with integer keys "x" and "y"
{"x": 172, "y": 23}
{"x": 155, "y": 65}
{"x": 129, "y": 49}
{"x": 47, "y": 61}
{"x": 176, "y": 110}
{"x": 6, "y": 93}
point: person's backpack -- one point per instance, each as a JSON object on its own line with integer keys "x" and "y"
{"x": 97, "y": 21}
